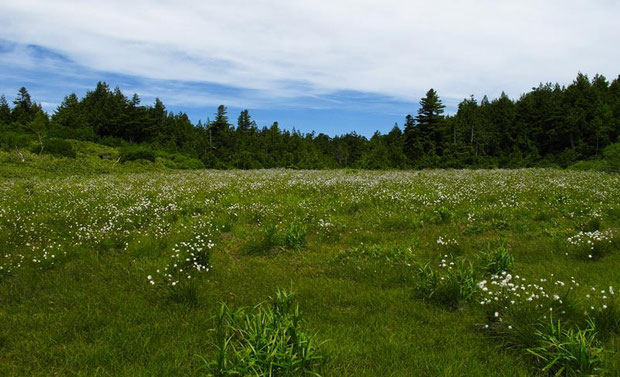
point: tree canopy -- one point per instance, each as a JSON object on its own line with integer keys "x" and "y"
{"x": 549, "y": 125}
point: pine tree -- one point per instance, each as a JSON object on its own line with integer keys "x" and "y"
{"x": 429, "y": 119}
{"x": 423, "y": 137}
{"x": 245, "y": 122}
{"x": 5, "y": 111}
{"x": 22, "y": 111}
{"x": 218, "y": 129}
{"x": 412, "y": 145}
{"x": 68, "y": 114}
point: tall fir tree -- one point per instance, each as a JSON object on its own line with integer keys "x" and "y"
{"x": 5, "y": 111}
{"x": 22, "y": 111}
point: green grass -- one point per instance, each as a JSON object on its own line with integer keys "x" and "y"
{"x": 80, "y": 248}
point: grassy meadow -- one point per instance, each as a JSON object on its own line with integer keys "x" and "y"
{"x": 419, "y": 273}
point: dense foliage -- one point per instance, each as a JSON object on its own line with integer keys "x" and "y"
{"x": 551, "y": 125}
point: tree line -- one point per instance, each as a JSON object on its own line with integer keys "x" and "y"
{"x": 551, "y": 125}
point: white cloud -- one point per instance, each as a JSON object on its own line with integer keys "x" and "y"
{"x": 315, "y": 47}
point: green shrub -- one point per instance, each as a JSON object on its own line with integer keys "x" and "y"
{"x": 594, "y": 164}
{"x": 134, "y": 152}
{"x": 57, "y": 147}
{"x": 12, "y": 140}
{"x": 612, "y": 157}
{"x": 190, "y": 163}
{"x": 62, "y": 132}
{"x": 179, "y": 161}
{"x": 111, "y": 141}
{"x": 610, "y": 161}
{"x": 268, "y": 341}
{"x": 572, "y": 352}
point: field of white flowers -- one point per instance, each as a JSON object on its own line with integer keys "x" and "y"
{"x": 503, "y": 272}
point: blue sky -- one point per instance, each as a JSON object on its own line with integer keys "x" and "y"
{"x": 49, "y": 76}
{"x": 322, "y": 65}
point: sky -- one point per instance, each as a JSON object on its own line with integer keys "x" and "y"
{"x": 330, "y": 66}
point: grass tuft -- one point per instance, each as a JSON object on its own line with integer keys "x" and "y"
{"x": 266, "y": 341}
{"x": 568, "y": 352}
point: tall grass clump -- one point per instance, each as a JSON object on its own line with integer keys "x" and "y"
{"x": 271, "y": 238}
{"x": 450, "y": 286}
{"x": 265, "y": 241}
{"x": 497, "y": 259}
{"x": 606, "y": 315}
{"x": 568, "y": 352}
{"x": 266, "y": 341}
{"x": 294, "y": 237}
{"x": 387, "y": 254}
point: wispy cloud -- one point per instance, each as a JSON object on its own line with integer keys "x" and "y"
{"x": 267, "y": 53}
{"x": 397, "y": 48}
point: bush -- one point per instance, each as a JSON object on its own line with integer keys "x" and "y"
{"x": 612, "y": 157}
{"x": 191, "y": 163}
{"x": 180, "y": 161}
{"x": 62, "y": 132}
{"x": 13, "y": 140}
{"x": 111, "y": 141}
{"x": 594, "y": 164}
{"x": 610, "y": 161}
{"x": 134, "y": 153}
{"x": 58, "y": 147}
{"x": 268, "y": 341}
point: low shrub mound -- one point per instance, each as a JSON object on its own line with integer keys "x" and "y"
{"x": 58, "y": 147}
{"x": 134, "y": 153}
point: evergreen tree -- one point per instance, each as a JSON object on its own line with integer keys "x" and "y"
{"x": 5, "y": 111}
{"x": 394, "y": 142}
{"x": 429, "y": 119}
{"x": 245, "y": 122}
{"x": 549, "y": 124}
{"x": 423, "y": 138}
{"x": 413, "y": 144}
{"x": 68, "y": 114}
{"x": 23, "y": 111}
{"x": 218, "y": 131}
